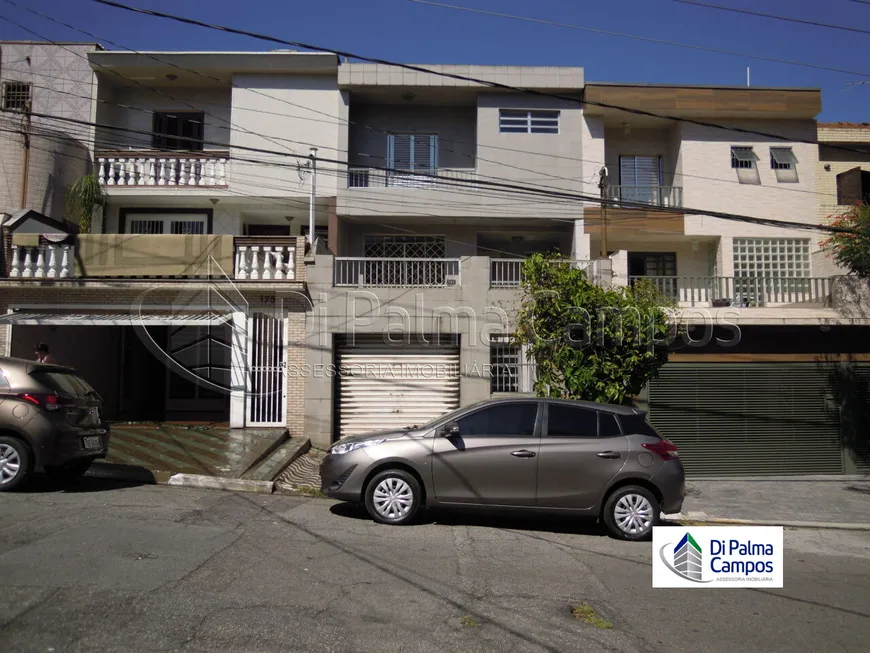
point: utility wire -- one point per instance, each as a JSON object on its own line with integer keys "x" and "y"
{"x": 772, "y": 16}
{"x": 233, "y": 85}
{"x": 631, "y": 36}
{"x": 466, "y": 78}
{"x": 489, "y": 184}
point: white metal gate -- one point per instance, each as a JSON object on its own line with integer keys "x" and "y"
{"x": 391, "y": 386}
{"x": 266, "y": 396}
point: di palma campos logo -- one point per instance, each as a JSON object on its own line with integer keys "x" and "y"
{"x": 718, "y": 556}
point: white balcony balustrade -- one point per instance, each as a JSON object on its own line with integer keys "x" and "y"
{"x": 276, "y": 260}
{"x": 741, "y": 291}
{"x": 397, "y": 272}
{"x": 42, "y": 262}
{"x": 162, "y": 169}
{"x": 423, "y": 180}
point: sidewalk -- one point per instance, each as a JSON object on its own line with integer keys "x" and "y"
{"x": 780, "y": 500}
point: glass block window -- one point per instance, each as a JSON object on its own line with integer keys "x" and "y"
{"x": 771, "y": 257}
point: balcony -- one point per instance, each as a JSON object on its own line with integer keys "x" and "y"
{"x": 662, "y": 196}
{"x": 172, "y": 169}
{"x": 121, "y": 256}
{"x": 396, "y": 272}
{"x": 508, "y": 272}
{"x": 373, "y": 178}
{"x": 742, "y": 291}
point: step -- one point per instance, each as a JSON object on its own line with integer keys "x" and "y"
{"x": 278, "y": 460}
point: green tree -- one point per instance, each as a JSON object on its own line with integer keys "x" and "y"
{"x": 851, "y": 250}
{"x": 590, "y": 342}
{"x": 82, "y": 199}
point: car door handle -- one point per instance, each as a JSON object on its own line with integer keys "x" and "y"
{"x": 608, "y": 454}
{"x": 523, "y": 453}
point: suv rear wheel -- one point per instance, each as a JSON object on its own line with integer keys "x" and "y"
{"x": 69, "y": 472}
{"x": 14, "y": 462}
{"x": 630, "y": 513}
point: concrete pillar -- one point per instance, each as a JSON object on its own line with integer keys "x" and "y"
{"x": 619, "y": 261}
{"x": 581, "y": 243}
{"x": 725, "y": 257}
{"x": 239, "y": 374}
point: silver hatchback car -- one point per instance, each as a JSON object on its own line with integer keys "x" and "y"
{"x": 548, "y": 455}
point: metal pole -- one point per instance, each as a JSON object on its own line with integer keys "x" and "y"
{"x": 313, "y": 196}
{"x": 602, "y": 184}
{"x": 25, "y": 163}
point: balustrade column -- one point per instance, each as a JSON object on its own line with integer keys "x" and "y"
{"x": 16, "y": 262}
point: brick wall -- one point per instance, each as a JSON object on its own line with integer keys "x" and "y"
{"x": 295, "y": 381}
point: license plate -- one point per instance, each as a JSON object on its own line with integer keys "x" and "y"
{"x": 93, "y": 442}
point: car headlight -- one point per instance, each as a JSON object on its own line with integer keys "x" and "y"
{"x": 352, "y": 446}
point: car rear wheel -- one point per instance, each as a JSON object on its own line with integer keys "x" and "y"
{"x": 14, "y": 462}
{"x": 69, "y": 472}
{"x": 631, "y": 512}
{"x": 393, "y": 497}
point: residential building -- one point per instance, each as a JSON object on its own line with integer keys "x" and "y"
{"x": 430, "y": 192}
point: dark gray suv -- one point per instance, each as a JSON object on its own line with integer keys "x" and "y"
{"x": 50, "y": 420}
{"x": 558, "y": 456}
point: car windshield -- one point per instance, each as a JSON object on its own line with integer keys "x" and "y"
{"x": 443, "y": 419}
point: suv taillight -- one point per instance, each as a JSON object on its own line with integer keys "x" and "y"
{"x": 49, "y": 402}
{"x": 666, "y": 450}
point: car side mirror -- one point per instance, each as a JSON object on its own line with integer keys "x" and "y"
{"x": 450, "y": 429}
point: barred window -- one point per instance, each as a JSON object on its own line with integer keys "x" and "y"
{"x": 509, "y": 369}
{"x": 16, "y": 96}
{"x": 784, "y": 164}
{"x": 743, "y": 161}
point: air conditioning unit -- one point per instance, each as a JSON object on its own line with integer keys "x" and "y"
{"x": 451, "y": 280}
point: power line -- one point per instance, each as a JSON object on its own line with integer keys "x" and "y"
{"x": 630, "y": 36}
{"x": 772, "y": 16}
{"x": 489, "y": 184}
{"x": 466, "y": 78}
{"x": 232, "y": 85}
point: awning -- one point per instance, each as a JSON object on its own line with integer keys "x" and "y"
{"x": 114, "y": 319}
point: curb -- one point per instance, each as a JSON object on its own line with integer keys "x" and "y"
{"x": 221, "y": 483}
{"x": 724, "y": 521}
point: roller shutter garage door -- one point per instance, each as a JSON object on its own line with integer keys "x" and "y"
{"x": 389, "y": 387}
{"x": 731, "y": 419}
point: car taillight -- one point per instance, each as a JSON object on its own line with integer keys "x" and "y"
{"x": 666, "y": 450}
{"x": 49, "y": 402}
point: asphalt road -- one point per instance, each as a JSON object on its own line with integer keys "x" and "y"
{"x": 102, "y": 567}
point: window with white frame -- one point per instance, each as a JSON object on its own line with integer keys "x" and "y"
{"x": 523, "y": 121}
{"x": 510, "y": 371}
{"x": 784, "y": 164}
{"x": 772, "y": 257}
{"x": 743, "y": 161}
{"x": 176, "y": 224}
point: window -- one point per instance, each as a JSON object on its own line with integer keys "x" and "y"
{"x": 570, "y": 421}
{"x": 853, "y": 186}
{"x": 403, "y": 246}
{"x": 522, "y": 121}
{"x": 182, "y": 224}
{"x": 412, "y": 152}
{"x": 743, "y": 160}
{"x": 178, "y": 130}
{"x": 784, "y": 164}
{"x": 16, "y": 96}
{"x": 608, "y": 427}
{"x": 771, "y": 257}
{"x": 509, "y": 370}
{"x": 512, "y": 420}
{"x": 637, "y": 425}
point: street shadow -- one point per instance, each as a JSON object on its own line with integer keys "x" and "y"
{"x": 492, "y": 518}
{"x": 101, "y": 477}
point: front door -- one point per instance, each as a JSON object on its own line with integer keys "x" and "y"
{"x": 581, "y": 451}
{"x": 493, "y": 460}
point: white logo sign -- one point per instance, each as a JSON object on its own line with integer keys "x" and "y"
{"x": 717, "y": 556}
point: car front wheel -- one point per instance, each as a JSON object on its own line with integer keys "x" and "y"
{"x": 631, "y": 512}
{"x": 14, "y": 462}
{"x": 393, "y": 497}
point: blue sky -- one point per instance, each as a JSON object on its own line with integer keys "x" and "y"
{"x": 412, "y": 33}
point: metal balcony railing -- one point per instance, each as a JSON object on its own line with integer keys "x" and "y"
{"x": 741, "y": 291}
{"x": 663, "y": 196}
{"x": 508, "y": 272}
{"x": 429, "y": 179}
{"x": 396, "y": 272}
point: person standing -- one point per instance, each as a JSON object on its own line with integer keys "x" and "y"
{"x": 42, "y": 354}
